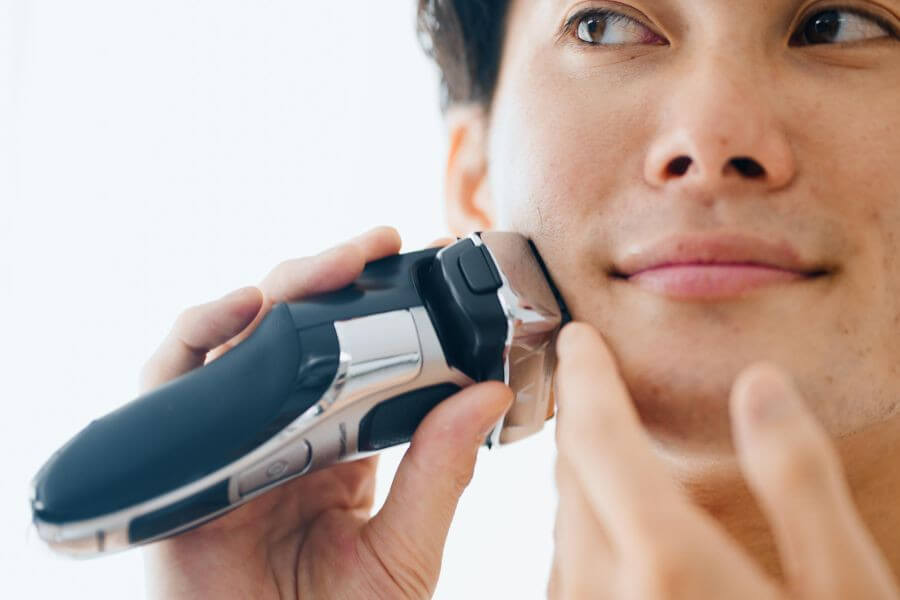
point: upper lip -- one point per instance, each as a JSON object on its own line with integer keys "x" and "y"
{"x": 718, "y": 248}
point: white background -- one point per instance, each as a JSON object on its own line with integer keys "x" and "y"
{"x": 158, "y": 154}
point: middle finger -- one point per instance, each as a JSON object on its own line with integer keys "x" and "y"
{"x": 330, "y": 270}
{"x": 611, "y": 454}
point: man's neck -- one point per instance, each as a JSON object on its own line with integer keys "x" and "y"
{"x": 870, "y": 460}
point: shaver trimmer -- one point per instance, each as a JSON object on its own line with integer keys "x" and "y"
{"x": 330, "y": 378}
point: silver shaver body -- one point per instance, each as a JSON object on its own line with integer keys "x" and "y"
{"x": 331, "y": 378}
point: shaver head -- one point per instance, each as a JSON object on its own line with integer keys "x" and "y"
{"x": 534, "y": 312}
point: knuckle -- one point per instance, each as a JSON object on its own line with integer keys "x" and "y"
{"x": 188, "y": 318}
{"x": 415, "y": 584}
{"x": 451, "y": 473}
{"x": 278, "y": 276}
{"x": 291, "y": 275}
{"x": 395, "y": 571}
{"x": 460, "y": 479}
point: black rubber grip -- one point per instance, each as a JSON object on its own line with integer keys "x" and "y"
{"x": 193, "y": 425}
{"x": 200, "y": 506}
{"x": 385, "y": 285}
{"x": 394, "y": 421}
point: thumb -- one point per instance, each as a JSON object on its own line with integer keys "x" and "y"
{"x": 409, "y": 531}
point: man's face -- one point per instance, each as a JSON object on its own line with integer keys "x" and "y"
{"x": 598, "y": 151}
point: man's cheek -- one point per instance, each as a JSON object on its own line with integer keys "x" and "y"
{"x": 557, "y": 178}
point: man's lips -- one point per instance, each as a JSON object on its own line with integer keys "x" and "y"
{"x": 712, "y": 266}
{"x": 709, "y": 281}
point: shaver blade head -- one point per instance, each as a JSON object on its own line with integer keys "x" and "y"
{"x": 535, "y": 313}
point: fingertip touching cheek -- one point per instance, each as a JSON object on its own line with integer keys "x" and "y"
{"x": 712, "y": 184}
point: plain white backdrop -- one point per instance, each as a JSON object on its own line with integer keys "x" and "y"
{"x": 157, "y": 154}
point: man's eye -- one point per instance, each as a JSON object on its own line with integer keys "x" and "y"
{"x": 840, "y": 26}
{"x": 608, "y": 28}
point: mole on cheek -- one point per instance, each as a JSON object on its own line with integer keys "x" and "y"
{"x": 874, "y": 215}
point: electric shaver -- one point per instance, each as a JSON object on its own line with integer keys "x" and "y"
{"x": 331, "y": 378}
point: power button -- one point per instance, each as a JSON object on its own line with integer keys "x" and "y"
{"x": 478, "y": 270}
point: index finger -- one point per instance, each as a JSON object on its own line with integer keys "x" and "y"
{"x": 331, "y": 270}
{"x": 600, "y": 433}
{"x": 206, "y": 332}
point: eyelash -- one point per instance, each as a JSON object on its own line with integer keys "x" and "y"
{"x": 611, "y": 17}
{"x": 855, "y": 10}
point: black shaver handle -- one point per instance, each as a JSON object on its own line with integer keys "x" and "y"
{"x": 190, "y": 426}
{"x": 204, "y": 420}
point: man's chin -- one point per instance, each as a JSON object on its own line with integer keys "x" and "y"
{"x": 686, "y": 411}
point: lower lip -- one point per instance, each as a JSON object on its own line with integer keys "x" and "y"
{"x": 696, "y": 281}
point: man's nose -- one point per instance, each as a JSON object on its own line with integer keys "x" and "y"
{"x": 719, "y": 135}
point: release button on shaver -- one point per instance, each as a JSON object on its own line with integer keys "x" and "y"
{"x": 287, "y": 462}
{"x": 478, "y": 270}
{"x": 276, "y": 469}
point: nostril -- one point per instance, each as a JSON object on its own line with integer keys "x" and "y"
{"x": 748, "y": 167}
{"x": 679, "y": 166}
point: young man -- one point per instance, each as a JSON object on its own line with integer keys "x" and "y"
{"x": 714, "y": 187}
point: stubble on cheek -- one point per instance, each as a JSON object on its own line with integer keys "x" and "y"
{"x": 565, "y": 170}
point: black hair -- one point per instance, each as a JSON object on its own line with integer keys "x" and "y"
{"x": 464, "y": 38}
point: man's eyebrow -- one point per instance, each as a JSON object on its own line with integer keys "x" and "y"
{"x": 891, "y": 5}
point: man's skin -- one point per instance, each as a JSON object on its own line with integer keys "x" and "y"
{"x": 576, "y": 152}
